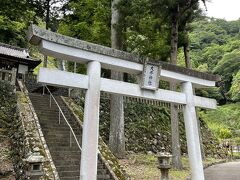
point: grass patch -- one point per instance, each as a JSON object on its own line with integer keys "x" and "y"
{"x": 144, "y": 166}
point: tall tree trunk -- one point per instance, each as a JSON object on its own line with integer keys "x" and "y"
{"x": 47, "y": 21}
{"x": 176, "y": 148}
{"x": 45, "y": 61}
{"x": 186, "y": 50}
{"x": 116, "y": 136}
{"x": 61, "y": 65}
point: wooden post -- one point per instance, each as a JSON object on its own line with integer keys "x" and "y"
{"x": 14, "y": 74}
{"x": 191, "y": 126}
{"x": 1, "y": 74}
{"x": 88, "y": 170}
{"x": 6, "y": 75}
{"x": 75, "y": 67}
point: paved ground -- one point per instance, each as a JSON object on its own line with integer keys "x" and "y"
{"x": 226, "y": 171}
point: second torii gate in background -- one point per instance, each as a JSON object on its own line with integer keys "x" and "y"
{"x": 97, "y": 57}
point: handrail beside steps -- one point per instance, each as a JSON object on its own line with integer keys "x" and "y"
{"x": 59, "y": 118}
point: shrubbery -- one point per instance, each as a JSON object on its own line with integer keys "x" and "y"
{"x": 7, "y": 105}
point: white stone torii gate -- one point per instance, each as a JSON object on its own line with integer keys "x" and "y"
{"x": 97, "y": 57}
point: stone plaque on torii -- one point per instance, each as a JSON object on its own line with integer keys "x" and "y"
{"x": 97, "y": 57}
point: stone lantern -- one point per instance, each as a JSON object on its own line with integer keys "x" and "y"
{"x": 35, "y": 168}
{"x": 164, "y": 164}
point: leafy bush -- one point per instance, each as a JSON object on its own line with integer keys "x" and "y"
{"x": 225, "y": 133}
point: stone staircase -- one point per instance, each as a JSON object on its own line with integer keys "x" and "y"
{"x": 57, "y": 136}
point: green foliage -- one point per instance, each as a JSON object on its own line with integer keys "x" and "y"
{"x": 212, "y": 55}
{"x": 228, "y": 66}
{"x": 214, "y": 92}
{"x": 211, "y": 39}
{"x": 235, "y": 88}
{"x": 215, "y": 48}
{"x": 15, "y": 16}
{"x": 88, "y": 21}
{"x": 223, "y": 120}
{"x": 145, "y": 33}
{"x": 12, "y": 31}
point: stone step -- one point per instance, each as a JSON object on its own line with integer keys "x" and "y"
{"x": 49, "y": 116}
{"x": 63, "y": 135}
{"x": 50, "y": 111}
{"x": 52, "y": 123}
{"x": 63, "y": 139}
{"x": 71, "y": 167}
{"x": 47, "y": 110}
{"x": 102, "y": 171}
{"x": 60, "y": 134}
{"x": 48, "y": 128}
{"x": 75, "y": 148}
{"x": 62, "y": 144}
{"x": 41, "y": 102}
{"x": 40, "y": 98}
{"x": 101, "y": 166}
{"x": 70, "y": 178}
{"x": 69, "y": 173}
{"x": 75, "y": 172}
{"x": 67, "y": 156}
{"x": 55, "y": 119}
{"x": 45, "y": 98}
{"x": 62, "y": 128}
{"x": 69, "y": 162}
{"x": 68, "y": 168}
{"x": 44, "y": 105}
{"x": 107, "y": 177}
{"x": 55, "y": 123}
{"x": 66, "y": 152}
{"x": 103, "y": 177}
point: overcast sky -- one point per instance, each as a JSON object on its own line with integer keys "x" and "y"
{"x": 225, "y": 9}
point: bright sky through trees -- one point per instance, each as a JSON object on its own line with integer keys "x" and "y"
{"x": 224, "y": 9}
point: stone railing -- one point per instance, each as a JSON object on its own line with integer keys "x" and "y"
{"x": 8, "y": 75}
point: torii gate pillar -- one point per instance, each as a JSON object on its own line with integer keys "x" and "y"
{"x": 88, "y": 169}
{"x": 191, "y": 127}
